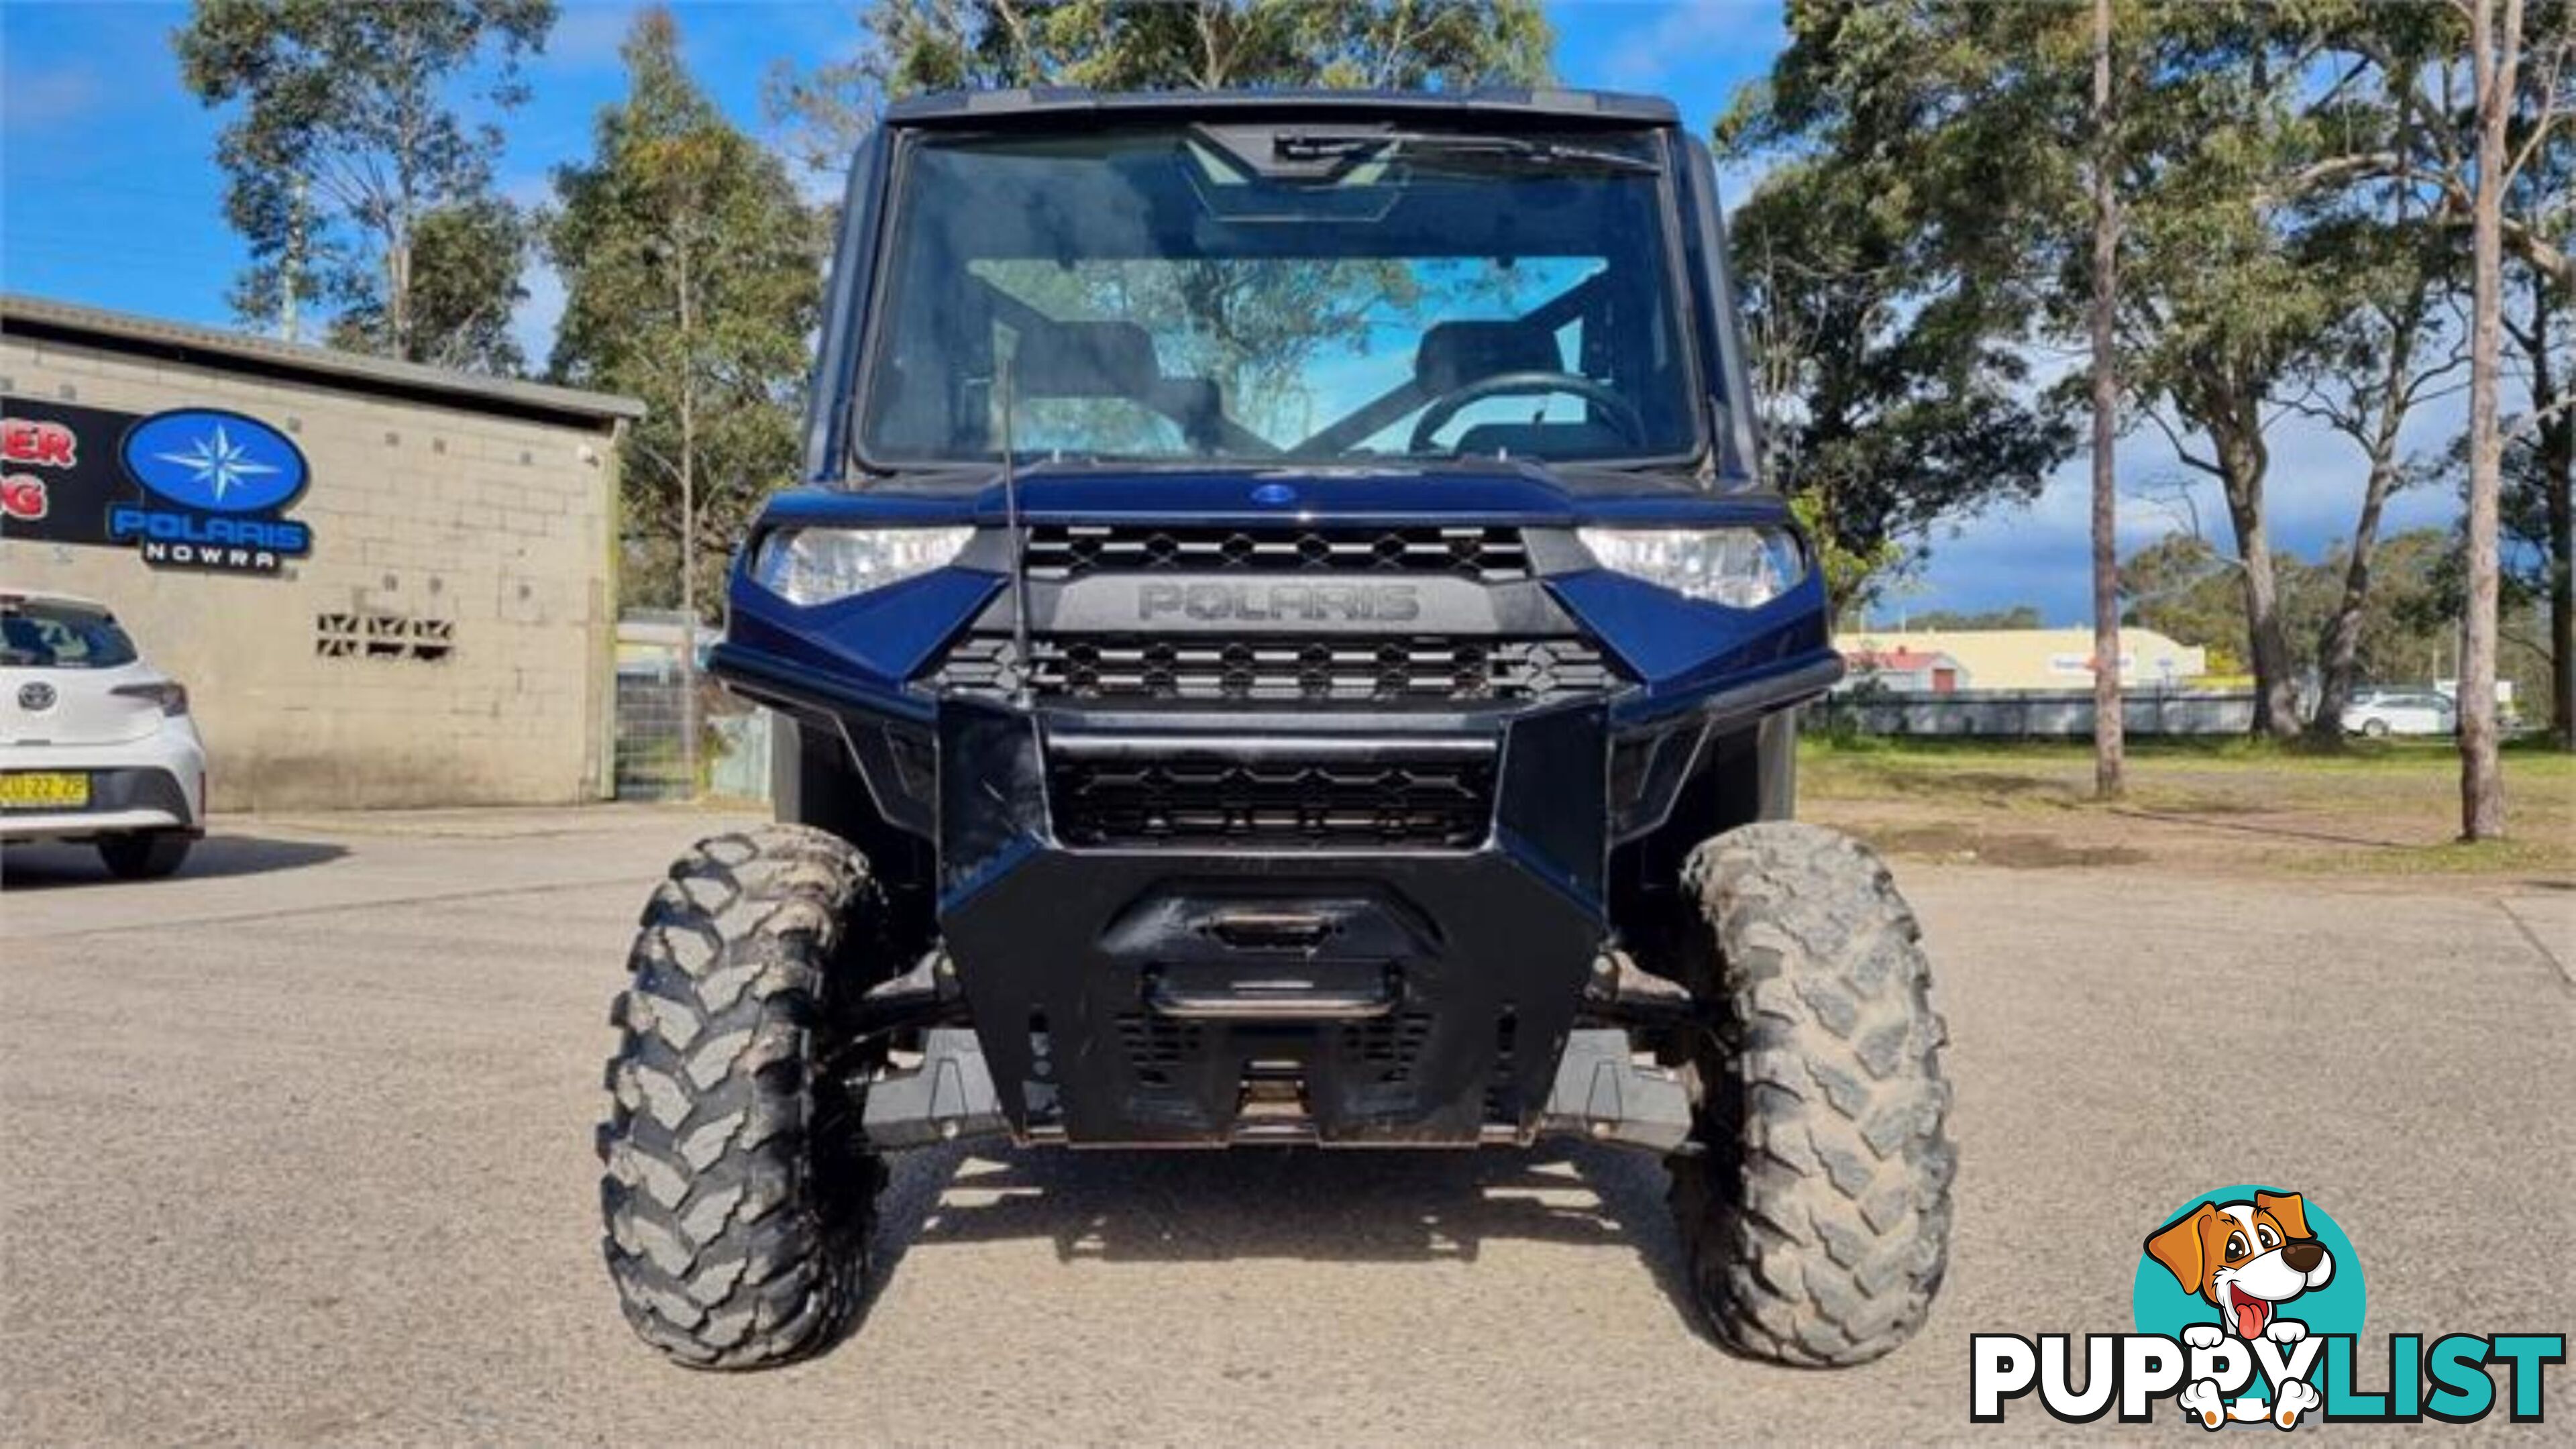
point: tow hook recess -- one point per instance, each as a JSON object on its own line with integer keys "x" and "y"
{"x": 1272, "y": 930}
{"x": 1287, "y": 991}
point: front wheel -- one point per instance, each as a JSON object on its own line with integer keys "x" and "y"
{"x": 146, "y": 856}
{"x": 738, "y": 1196}
{"x": 1816, "y": 1214}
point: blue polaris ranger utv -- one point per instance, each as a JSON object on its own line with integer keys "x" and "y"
{"x": 1284, "y": 640}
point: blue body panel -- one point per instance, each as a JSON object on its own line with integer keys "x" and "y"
{"x": 855, "y": 651}
{"x": 1498, "y": 494}
{"x": 1683, "y": 653}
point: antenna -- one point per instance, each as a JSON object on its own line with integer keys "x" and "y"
{"x": 1019, "y": 535}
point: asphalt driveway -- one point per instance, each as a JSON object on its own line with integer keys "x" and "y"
{"x": 298, "y": 1149}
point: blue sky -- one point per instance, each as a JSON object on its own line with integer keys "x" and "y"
{"x": 109, "y": 196}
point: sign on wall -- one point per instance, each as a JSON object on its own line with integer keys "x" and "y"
{"x": 191, "y": 488}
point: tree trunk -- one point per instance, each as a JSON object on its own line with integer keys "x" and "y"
{"x": 2339, "y": 648}
{"x": 2109, "y": 746}
{"x": 2493, "y": 65}
{"x": 291, "y": 266}
{"x": 2555, "y": 453}
{"x": 2558, "y": 462}
{"x": 688, "y": 527}
{"x": 398, "y": 297}
{"x": 2243, "y": 460}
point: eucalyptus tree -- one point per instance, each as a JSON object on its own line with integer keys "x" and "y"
{"x": 905, "y": 47}
{"x": 2399, "y": 346}
{"x": 1925, "y": 236}
{"x": 1896, "y": 259}
{"x": 2223, "y": 300}
{"x": 353, "y": 172}
{"x": 2488, "y": 88}
{"x": 692, "y": 278}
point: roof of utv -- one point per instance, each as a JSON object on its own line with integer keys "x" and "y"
{"x": 1073, "y": 106}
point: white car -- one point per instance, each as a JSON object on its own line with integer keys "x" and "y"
{"x": 95, "y": 744}
{"x": 2392, "y": 712}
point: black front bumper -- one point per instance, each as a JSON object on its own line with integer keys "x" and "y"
{"x": 1211, "y": 980}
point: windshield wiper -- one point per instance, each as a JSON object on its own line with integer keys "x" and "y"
{"x": 1452, "y": 147}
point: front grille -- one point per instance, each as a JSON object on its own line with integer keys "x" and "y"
{"x": 1158, "y": 1047}
{"x": 1068, "y": 551}
{"x": 1291, "y": 804}
{"x": 1279, "y": 668}
{"x": 1385, "y": 1049}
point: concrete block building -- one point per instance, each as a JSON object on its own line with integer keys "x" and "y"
{"x": 2027, "y": 659}
{"x": 383, "y": 584}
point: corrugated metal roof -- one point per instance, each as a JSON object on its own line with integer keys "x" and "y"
{"x": 124, "y": 331}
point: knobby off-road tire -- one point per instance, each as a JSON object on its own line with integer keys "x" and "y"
{"x": 738, "y": 1198}
{"x": 1817, "y": 1219}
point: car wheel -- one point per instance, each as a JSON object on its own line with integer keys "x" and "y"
{"x": 1816, "y": 1213}
{"x": 148, "y": 855}
{"x": 739, "y": 1196}
{"x": 2376, "y": 729}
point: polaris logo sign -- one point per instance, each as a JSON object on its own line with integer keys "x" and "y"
{"x": 205, "y": 489}
{"x": 221, "y": 480}
{"x": 1295, "y": 603}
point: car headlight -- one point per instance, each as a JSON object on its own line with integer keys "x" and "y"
{"x": 1738, "y": 567}
{"x": 818, "y": 565}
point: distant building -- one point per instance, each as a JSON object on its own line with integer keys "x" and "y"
{"x": 383, "y": 584}
{"x": 1905, "y": 671}
{"x": 1915, "y": 661}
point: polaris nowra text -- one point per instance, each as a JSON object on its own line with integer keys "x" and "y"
{"x": 1283, "y": 643}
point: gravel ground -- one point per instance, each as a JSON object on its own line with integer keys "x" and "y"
{"x": 299, "y": 1150}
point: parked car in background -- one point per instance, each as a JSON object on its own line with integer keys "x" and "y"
{"x": 95, "y": 744}
{"x": 2380, "y": 713}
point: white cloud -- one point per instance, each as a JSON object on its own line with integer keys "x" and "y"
{"x": 586, "y": 36}
{"x": 528, "y": 189}
{"x": 2041, "y": 553}
{"x": 1687, "y": 33}
{"x": 32, "y": 100}
{"x": 533, "y": 322}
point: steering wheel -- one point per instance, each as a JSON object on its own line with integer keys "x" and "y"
{"x": 1621, "y": 413}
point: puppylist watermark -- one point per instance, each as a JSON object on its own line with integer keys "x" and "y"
{"x": 2248, "y": 1306}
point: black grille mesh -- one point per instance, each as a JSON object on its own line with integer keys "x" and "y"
{"x": 1387, "y": 1047}
{"x": 1289, "y": 804}
{"x": 1280, "y": 667}
{"x": 1157, "y": 1047}
{"x": 1062, "y": 551}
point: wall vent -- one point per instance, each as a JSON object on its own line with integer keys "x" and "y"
{"x": 383, "y": 636}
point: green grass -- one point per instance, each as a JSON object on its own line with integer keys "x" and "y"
{"x": 2530, "y": 756}
{"x": 2522, "y": 854}
{"x": 2374, "y": 807}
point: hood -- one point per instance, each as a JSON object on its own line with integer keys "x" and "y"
{"x": 1471, "y": 490}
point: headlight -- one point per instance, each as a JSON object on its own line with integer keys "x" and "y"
{"x": 818, "y": 565}
{"x": 1739, "y": 567}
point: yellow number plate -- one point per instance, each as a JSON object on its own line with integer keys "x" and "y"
{"x": 44, "y": 790}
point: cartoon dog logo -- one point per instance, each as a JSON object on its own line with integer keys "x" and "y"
{"x": 2245, "y": 1259}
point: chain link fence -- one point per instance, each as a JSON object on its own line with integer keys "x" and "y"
{"x": 2028, "y": 714}
{"x": 652, "y": 761}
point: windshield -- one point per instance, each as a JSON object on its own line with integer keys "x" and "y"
{"x": 1259, "y": 293}
{"x": 39, "y": 635}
